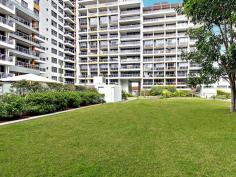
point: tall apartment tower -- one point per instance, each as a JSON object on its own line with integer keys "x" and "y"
{"x": 131, "y": 45}
{"x": 57, "y": 24}
{"x": 20, "y": 38}
{"x": 7, "y": 26}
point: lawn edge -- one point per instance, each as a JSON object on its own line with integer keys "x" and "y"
{"x": 45, "y": 115}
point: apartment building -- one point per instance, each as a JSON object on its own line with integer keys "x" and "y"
{"x": 131, "y": 45}
{"x": 57, "y": 24}
{"x": 7, "y": 26}
{"x": 20, "y": 38}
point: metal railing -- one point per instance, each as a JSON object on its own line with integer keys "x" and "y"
{"x": 3, "y": 57}
{"x": 7, "y": 3}
{"x": 6, "y": 21}
{"x": 27, "y": 65}
{"x": 6, "y": 39}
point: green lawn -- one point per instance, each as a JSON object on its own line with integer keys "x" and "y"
{"x": 171, "y": 137}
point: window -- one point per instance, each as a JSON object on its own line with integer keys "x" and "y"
{"x": 54, "y": 42}
{"x": 54, "y": 33}
{"x": 54, "y": 51}
{"x": 54, "y": 60}
{"x": 54, "y": 14}
{"x": 53, "y": 23}
{"x": 54, "y": 69}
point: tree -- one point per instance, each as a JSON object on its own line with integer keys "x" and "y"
{"x": 193, "y": 82}
{"x": 215, "y": 40}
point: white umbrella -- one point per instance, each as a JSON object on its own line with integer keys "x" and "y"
{"x": 28, "y": 77}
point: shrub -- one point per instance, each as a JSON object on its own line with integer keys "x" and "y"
{"x": 11, "y": 106}
{"x": 166, "y": 93}
{"x": 223, "y": 95}
{"x": 89, "y": 98}
{"x": 145, "y": 93}
{"x": 73, "y": 99}
{"x": 157, "y": 90}
{"x": 45, "y": 102}
{"x": 182, "y": 93}
{"x": 125, "y": 95}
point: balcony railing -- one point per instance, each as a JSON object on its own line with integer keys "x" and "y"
{"x": 130, "y": 75}
{"x": 6, "y": 21}
{"x": 27, "y": 65}
{"x": 24, "y": 36}
{"x": 5, "y": 75}
{"x": 6, "y": 39}
{"x": 3, "y": 57}
{"x": 26, "y": 51}
{"x": 7, "y": 3}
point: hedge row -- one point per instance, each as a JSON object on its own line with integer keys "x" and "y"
{"x": 14, "y": 106}
{"x": 166, "y": 92}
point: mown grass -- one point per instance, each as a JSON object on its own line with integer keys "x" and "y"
{"x": 171, "y": 137}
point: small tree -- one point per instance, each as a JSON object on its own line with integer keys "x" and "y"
{"x": 215, "y": 40}
{"x": 194, "y": 82}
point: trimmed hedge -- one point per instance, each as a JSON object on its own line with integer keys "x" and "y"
{"x": 46, "y": 102}
{"x": 11, "y": 106}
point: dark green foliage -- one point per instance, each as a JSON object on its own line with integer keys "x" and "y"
{"x": 11, "y": 106}
{"x": 215, "y": 40}
{"x": 89, "y": 98}
{"x": 36, "y": 103}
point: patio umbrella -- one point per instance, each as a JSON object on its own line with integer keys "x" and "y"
{"x": 28, "y": 77}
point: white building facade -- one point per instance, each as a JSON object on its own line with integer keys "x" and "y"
{"x": 21, "y": 42}
{"x": 57, "y": 24}
{"x": 133, "y": 46}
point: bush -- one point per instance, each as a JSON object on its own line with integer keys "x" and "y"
{"x": 45, "y": 102}
{"x": 89, "y": 98}
{"x": 157, "y": 90}
{"x": 145, "y": 93}
{"x": 222, "y": 94}
{"x": 166, "y": 93}
{"x": 182, "y": 93}
{"x": 12, "y": 106}
{"x": 125, "y": 95}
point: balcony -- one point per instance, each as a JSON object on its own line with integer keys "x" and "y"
{"x": 6, "y": 60}
{"x": 69, "y": 18}
{"x": 7, "y": 7}
{"x": 69, "y": 3}
{"x": 130, "y": 67}
{"x": 69, "y": 59}
{"x": 130, "y": 37}
{"x": 25, "y": 53}
{"x": 69, "y": 10}
{"x": 69, "y": 26}
{"x": 69, "y": 51}
{"x": 6, "y": 42}
{"x": 69, "y": 43}
{"x": 26, "y": 38}
{"x": 130, "y": 27}
{"x": 25, "y": 9}
{"x": 69, "y": 67}
{"x": 69, "y": 75}
{"x": 130, "y": 75}
{"x": 25, "y": 25}
{"x": 6, "y": 24}
{"x": 129, "y": 52}
{"x": 23, "y": 67}
{"x": 127, "y": 12}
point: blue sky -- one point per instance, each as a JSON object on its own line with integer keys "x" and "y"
{"x": 151, "y": 2}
